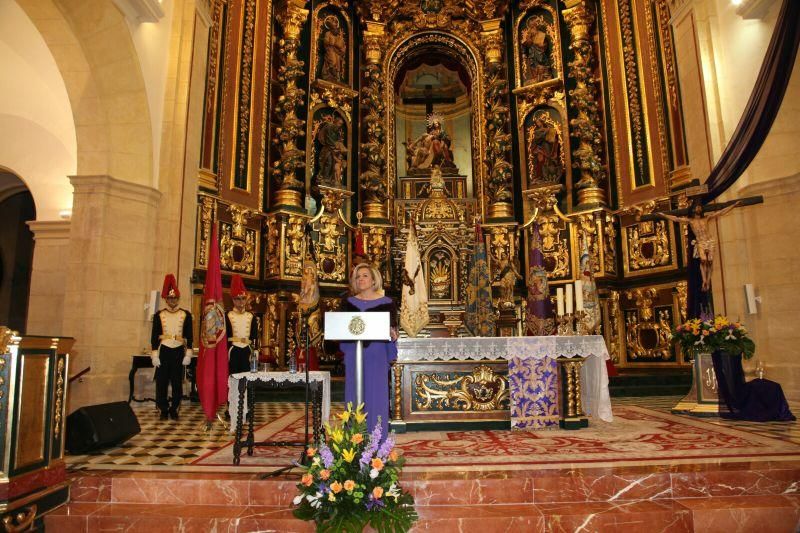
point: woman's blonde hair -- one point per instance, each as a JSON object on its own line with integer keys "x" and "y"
{"x": 377, "y": 279}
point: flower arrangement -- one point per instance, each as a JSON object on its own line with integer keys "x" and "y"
{"x": 352, "y": 480}
{"x": 708, "y": 335}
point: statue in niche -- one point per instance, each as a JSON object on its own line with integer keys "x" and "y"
{"x": 537, "y": 63}
{"x": 332, "y": 153}
{"x": 431, "y": 149}
{"x": 334, "y": 50}
{"x": 506, "y": 278}
{"x": 544, "y": 152}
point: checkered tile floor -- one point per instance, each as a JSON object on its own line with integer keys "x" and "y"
{"x": 172, "y": 443}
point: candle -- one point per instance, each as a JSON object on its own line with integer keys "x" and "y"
{"x": 560, "y": 300}
{"x": 569, "y": 298}
{"x": 579, "y": 295}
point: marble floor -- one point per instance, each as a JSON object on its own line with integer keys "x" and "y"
{"x": 157, "y": 482}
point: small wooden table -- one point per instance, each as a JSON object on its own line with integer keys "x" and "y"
{"x": 242, "y": 410}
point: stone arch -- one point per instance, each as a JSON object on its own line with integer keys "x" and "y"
{"x": 94, "y": 52}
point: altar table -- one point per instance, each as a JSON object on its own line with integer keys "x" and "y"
{"x": 459, "y": 380}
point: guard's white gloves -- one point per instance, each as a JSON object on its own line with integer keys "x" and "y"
{"x": 155, "y": 359}
{"x": 187, "y": 359}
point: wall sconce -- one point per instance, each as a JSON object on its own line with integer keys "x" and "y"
{"x": 65, "y": 214}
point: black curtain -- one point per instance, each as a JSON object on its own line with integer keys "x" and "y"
{"x": 765, "y": 100}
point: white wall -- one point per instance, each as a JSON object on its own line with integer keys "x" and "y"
{"x": 152, "y": 43}
{"x": 37, "y": 131}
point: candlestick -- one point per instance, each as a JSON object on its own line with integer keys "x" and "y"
{"x": 560, "y": 301}
{"x": 579, "y": 295}
{"x": 569, "y": 298}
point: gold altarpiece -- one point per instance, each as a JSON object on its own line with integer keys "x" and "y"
{"x": 573, "y": 120}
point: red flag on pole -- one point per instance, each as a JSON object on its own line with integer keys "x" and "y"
{"x": 212, "y": 363}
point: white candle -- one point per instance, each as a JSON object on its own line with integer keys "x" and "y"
{"x": 579, "y": 295}
{"x": 569, "y": 298}
{"x": 560, "y": 300}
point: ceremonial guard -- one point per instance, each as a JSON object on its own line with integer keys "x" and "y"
{"x": 241, "y": 327}
{"x": 171, "y": 341}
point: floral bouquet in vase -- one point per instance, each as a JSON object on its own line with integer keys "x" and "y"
{"x": 352, "y": 480}
{"x": 709, "y": 335}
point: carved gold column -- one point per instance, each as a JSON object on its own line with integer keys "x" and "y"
{"x": 291, "y": 15}
{"x": 586, "y": 124}
{"x": 397, "y": 420}
{"x": 373, "y": 151}
{"x": 572, "y": 415}
{"x": 499, "y": 188}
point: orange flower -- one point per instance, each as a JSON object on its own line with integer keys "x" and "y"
{"x": 377, "y": 492}
{"x": 394, "y": 455}
{"x": 336, "y": 487}
{"x": 377, "y": 464}
{"x": 358, "y": 438}
{"x": 324, "y": 474}
{"x": 307, "y": 480}
{"x": 311, "y": 452}
{"x": 349, "y": 485}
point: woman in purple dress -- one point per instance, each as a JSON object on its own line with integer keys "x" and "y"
{"x": 366, "y": 283}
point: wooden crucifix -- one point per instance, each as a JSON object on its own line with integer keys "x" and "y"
{"x": 429, "y": 99}
{"x": 698, "y": 216}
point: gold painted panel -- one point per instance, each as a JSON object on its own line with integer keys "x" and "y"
{"x": 32, "y": 410}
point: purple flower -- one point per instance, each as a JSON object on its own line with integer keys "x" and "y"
{"x": 323, "y": 488}
{"x": 326, "y": 454}
{"x": 374, "y": 442}
{"x": 386, "y": 447}
{"x": 371, "y": 503}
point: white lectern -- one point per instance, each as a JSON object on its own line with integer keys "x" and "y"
{"x": 358, "y": 327}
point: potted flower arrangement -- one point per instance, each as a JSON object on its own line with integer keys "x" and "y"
{"x": 351, "y": 480}
{"x": 711, "y": 335}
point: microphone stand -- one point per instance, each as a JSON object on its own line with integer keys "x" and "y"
{"x": 303, "y": 324}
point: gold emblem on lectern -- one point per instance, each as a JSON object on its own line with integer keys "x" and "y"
{"x": 356, "y": 325}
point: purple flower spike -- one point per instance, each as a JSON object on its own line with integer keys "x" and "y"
{"x": 386, "y": 447}
{"x": 372, "y": 503}
{"x": 326, "y": 455}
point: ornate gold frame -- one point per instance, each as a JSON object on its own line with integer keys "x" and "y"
{"x": 556, "y": 36}
{"x": 626, "y": 254}
{"x": 468, "y": 53}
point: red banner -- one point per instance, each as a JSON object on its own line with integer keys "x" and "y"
{"x": 212, "y": 363}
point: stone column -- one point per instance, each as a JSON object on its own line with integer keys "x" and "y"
{"x": 48, "y": 276}
{"x": 111, "y": 255}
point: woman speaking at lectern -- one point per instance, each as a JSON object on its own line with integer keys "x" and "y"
{"x": 367, "y": 285}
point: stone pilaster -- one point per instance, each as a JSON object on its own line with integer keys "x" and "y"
{"x": 109, "y": 273}
{"x": 48, "y": 276}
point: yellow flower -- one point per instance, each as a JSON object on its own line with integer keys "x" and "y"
{"x": 337, "y": 435}
{"x": 349, "y": 455}
{"x": 360, "y": 414}
{"x": 331, "y": 497}
{"x": 344, "y": 416}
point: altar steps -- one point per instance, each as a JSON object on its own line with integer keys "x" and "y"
{"x": 668, "y": 382}
{"x": 762, "y": 496}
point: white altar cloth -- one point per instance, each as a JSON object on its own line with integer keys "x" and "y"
{"x": 594, "y": 375}
{"x": 277, "y": 377}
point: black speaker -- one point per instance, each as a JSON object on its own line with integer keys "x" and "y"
{"x": 95, "y": 427}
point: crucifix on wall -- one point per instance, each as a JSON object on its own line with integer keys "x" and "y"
{"x": 698, "y": 216}
{"x": 428, "y": 99}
